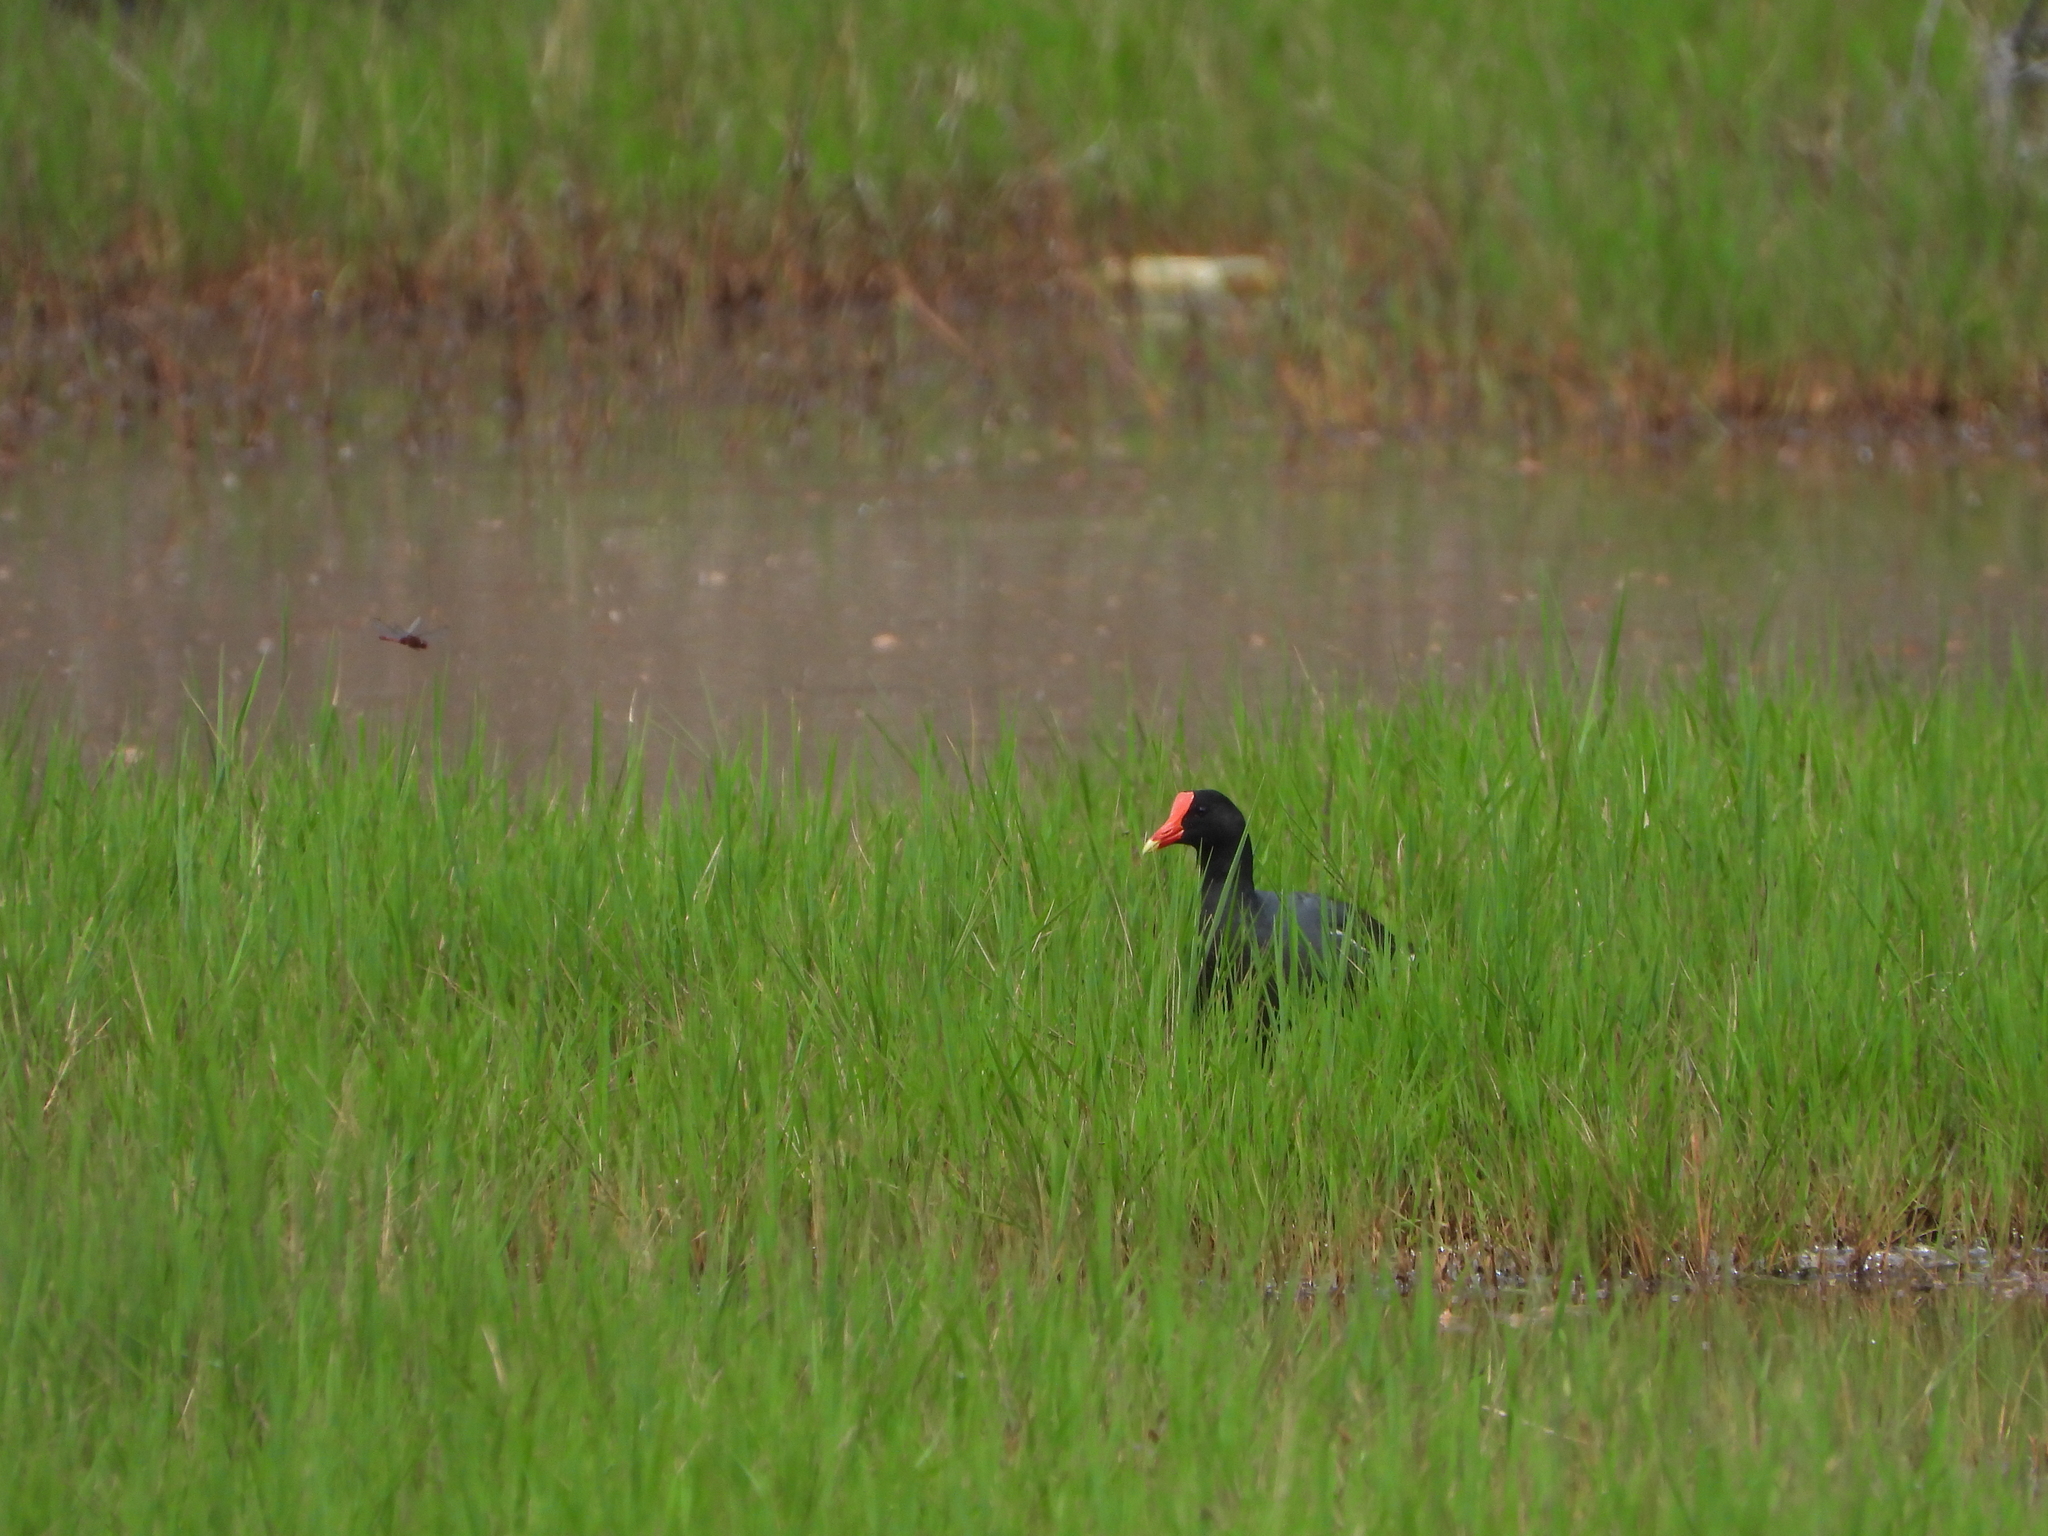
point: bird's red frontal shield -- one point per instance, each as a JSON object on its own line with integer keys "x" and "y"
{"x": 1169, "y": 831}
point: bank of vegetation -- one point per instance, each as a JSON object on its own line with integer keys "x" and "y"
{"x": 388, "y": 1146}
{"x": 1785, "y": 207}
{"x": 1707, "y": 978}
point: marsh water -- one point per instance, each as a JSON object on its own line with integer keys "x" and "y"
{"x": 707, "y": 595}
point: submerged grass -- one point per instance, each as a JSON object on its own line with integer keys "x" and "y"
{"x": 1574, "y": 190}
{"x": 387, "y": 1144}
{"x": 443, "y": 1387}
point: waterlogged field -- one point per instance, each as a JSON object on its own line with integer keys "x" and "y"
{"x": 803, "y": 1137}
{"x": 825, "y": 1145}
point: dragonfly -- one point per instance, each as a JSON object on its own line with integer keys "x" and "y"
{"x": 412, "y": 637}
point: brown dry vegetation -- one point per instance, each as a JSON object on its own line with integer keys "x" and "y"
{"x": 1013, "y": 311}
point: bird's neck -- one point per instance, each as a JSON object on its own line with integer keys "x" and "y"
{"x": 1226, "y": 875}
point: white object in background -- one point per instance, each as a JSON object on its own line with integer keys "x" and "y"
{"x": 1169, "y": 288}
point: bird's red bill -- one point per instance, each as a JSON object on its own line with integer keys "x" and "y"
{"x": 1169, "y": 832}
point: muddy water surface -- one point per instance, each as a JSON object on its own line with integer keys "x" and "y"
{"x": 703, "y": 600}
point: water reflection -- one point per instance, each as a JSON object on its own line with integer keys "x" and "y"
{"x": 701, "y": 599}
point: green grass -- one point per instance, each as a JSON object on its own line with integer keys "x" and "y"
{"x": 445, "y": 1388}
{"x": 1765, "y": 185}
{"x": 388, "y": 1146}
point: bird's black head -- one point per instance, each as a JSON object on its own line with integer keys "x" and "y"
{"x": 1204, "y": 819}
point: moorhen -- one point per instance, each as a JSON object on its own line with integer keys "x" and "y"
{"x": 1304, "y": 936}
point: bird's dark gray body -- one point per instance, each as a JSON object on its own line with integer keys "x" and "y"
{"x": 1304, "y": 937}
{"x": 1298, "y": 936}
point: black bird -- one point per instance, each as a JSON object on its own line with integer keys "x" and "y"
{"x": 1299, "y": 934}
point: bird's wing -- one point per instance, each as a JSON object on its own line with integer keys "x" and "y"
{"x": 1265, "y": 913}
{"x": 1338, "y": 933}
